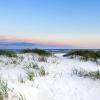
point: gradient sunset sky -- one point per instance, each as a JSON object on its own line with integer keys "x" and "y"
{"x": 56, "y": 22}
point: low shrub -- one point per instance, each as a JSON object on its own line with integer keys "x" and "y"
{"x": 40, "y": 52}
{"x": 8, "y": 53}
{"x": 84, "y": 54}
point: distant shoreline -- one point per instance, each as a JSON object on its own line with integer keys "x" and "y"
{"x": 52, "y": 50}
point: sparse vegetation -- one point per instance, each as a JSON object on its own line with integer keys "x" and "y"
{"x": 32, "y": 65}
{"x": 42, "y": 71}
{"x": 21, "y": 97}
{"x": 30, "y": 75}
{"x": 21, "y": 79}
{"x": 40, "y": 52}
{"x": 85, "y": 74}
{"x": 84, "y": 54}
{"x": 8, "y": 53}
{"x": 42, "y": 59}
{"x": 33, "y": 70}
{"x": 3, "y": 88}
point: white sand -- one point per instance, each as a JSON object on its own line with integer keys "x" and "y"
{"x": 59, "y": 84}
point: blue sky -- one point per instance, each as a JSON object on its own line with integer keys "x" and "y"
{"x": 61, "y": 22}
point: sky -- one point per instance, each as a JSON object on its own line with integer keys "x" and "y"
{"x": 54, "y": 22}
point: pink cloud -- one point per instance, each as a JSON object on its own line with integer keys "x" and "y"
{"x": 29, "y": 39}
{"x": 82, "y": 42}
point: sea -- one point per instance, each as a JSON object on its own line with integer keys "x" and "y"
{"x": 55, "y": 50}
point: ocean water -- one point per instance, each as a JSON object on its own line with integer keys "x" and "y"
{"x": 56, "y": 50}
{"x": 50, "y": 50}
